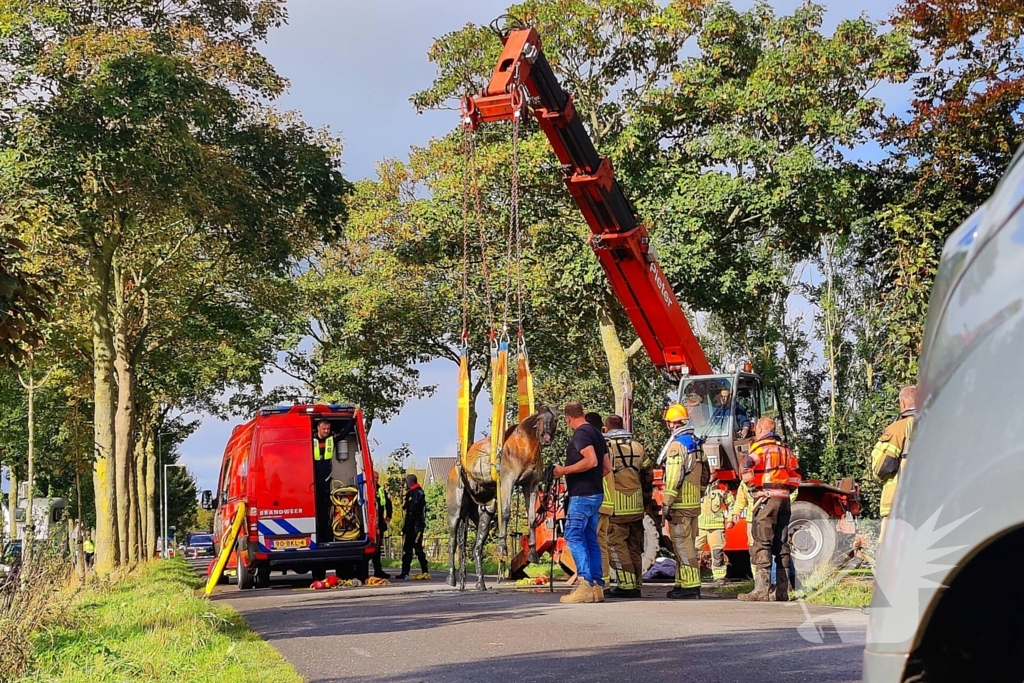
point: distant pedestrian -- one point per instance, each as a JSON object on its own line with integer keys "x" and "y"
{"x": 890, "y": 451}
{"x": 415, "y": 524}
{"x": 585, "y": 465}
{"x": 90, "y": 550}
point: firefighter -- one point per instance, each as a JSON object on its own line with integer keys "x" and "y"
{"x": 415, "y": 524}
{"x": 633, "y": 476}
{"x": 384, "y": 512}
{"x": 605, "y": 511}
{"x": 771, "y": 472}
{"x": 890, "y": 451}
{"x": 323, "y": 456}
{"x": 681, "y": 505}
{"x": 711, "y": 529}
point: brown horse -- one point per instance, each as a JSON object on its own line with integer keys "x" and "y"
{"x": 470, "y": 490}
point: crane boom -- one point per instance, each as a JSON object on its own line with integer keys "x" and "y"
{"x": 619, "y": 239}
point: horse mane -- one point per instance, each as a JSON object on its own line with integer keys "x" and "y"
{"x": 528, "y": 425}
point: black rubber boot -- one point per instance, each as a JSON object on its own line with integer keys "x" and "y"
{"x": 617, "y": 592}
{"x": 679, "y": 593}
{"x": 781, "y": 593}
{"x": 762, "y": 579}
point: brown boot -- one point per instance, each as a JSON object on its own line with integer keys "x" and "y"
{"x": 762, "y": 578}
{"x": 598, "y": 593}
{"x": 781, "y": 593}
{"x": 581, "y": 592}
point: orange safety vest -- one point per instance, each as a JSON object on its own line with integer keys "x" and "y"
{"x": 775, "y": 466}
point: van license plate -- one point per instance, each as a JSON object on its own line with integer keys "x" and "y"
{"x": 282, "y": 543}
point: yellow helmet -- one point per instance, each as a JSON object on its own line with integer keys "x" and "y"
{"x": 676, "y": 413}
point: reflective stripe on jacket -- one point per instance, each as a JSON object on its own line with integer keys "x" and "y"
{"x": 629, "y": 463}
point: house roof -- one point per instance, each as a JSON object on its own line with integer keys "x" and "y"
{"x": 439, "y": 467}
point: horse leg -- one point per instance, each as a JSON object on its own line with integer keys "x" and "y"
{"x": 453, "y": 533}
{"x": 463, "y": 536}
{"x": 531, "y": 518}
{"x": 508, "y": 485}
{"x": 483, "y": 525}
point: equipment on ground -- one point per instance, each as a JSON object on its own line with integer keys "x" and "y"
{"x": 722, "y": 408}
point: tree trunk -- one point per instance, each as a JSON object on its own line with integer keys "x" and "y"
{"x": 124, "y": 419}
{"x": 151, "y": 521}
{"x": 140, "y": 489}
{"x": 104, "y": 482}
{"x": 136, "y": 521}
{"x": 617, "y": 357}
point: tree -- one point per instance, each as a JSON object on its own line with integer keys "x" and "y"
{"x": 141, "y": 121}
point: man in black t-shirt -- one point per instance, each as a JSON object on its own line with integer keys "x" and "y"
{"x": 586, "y": 463}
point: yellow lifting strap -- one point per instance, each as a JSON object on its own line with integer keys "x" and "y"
{"x": 524, "y": 382}
{"x": 499, "y": 390}
{"x": 463, "y": 410}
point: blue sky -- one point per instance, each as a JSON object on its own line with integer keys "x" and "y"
{"x": 353, "y": 65}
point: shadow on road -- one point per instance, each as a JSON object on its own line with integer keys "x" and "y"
{"x": 760, "y": 656}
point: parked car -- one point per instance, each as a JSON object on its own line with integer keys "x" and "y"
{"x": 948, "y": 602}
{"x": 199, "y": 545}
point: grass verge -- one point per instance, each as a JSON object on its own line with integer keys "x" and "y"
{"x": 152, "y": 626}
{"x": 847, "y": 592}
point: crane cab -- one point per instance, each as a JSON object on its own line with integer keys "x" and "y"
{"x": 723, "y": 411}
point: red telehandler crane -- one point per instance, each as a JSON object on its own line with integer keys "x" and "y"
{"x": 722, "y": 406}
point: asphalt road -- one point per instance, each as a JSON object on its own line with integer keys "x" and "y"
{"x": 425, "y": 631}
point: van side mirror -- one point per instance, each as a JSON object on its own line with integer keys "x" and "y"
{"x": 206, "y": 500}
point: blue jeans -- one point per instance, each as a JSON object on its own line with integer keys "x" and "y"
{"x": 581, "y": 534}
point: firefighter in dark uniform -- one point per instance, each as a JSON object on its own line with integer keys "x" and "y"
{"x": 384, "y": 512}
{"x": 772, "y": 472}
{"x": 890, "y": 451}
{"x": 415, "y": 507}
{"x": 634, "y": 485}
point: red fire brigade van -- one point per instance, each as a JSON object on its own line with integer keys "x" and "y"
{"x": 305, "y": 511}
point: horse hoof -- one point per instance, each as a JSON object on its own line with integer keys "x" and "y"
{"x": 534, "y": 558}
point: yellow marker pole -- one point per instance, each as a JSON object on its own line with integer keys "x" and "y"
{"x": 227, "y": 544}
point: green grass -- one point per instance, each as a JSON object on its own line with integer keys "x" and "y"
{"x": 152, "y": 627}
{"x": 848, "y": 592}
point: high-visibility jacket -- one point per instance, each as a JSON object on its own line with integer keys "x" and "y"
{"x": 633, "y": 476}
{"x": 89, "y": 547}
{"x": 328, "y": 453}
{"x": 889, "y": 455}
{"x": 771, "y": 467}
{"x": 743, "y": 503}
{"x": 682, "y": 473}
{"x": 714, "y": 508}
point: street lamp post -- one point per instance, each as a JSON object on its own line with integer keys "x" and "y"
{"x": 160, "y": 465}
{"x": 163, "y": 544}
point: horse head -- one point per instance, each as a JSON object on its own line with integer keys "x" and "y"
{"x": 546, "y": 425}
